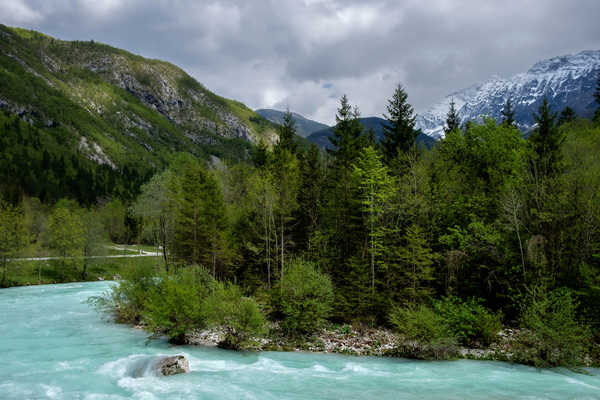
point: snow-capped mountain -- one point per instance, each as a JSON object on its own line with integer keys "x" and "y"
{"x": 566, "y": 81}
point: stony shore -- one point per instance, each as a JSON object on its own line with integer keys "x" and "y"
{"x": 350, "y": 341}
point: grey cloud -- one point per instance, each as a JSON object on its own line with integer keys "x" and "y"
{"x": 301, "y": 53}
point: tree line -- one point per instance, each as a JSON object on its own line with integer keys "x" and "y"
{"x": 487, "y": 223}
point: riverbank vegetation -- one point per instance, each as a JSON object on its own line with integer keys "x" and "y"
{"x": 448, "y": 247}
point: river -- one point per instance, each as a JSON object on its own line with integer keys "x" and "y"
{"x": 54, "y": 345}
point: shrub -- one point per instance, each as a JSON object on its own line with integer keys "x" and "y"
{"x": 469, "y": 320}
{"x": 550, "y": 333}
{"x": 424, "y": 334}
{"x": 239, "y": 316}
{"x": 126, "y": 300}
{"x": 175, "y": 305}
{"x": 305, "y": 299}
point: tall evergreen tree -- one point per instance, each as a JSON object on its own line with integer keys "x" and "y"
{"x": 452, "y": 119}
{"x": 546, "y": 139}
{"x": 348, "y": 141}
{"x": 287, "y": 131}
{"x": 309, "y": 195}
{"x": 375, "y": 190}
{"x": 508, "y": 114}
{"x": 399, "y": 129}
{"x": 566, "y": 115}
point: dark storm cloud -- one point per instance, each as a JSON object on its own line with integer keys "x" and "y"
{"x": 305, "y": 54}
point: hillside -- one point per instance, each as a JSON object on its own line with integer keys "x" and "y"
{"x": 93, "y": 112}
{"x": 304, "y": 126}
{"x": 321, "y": 138}
{"x": 566, "y": 81}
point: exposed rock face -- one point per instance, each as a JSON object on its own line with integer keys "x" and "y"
{"x": 172, "y": 365}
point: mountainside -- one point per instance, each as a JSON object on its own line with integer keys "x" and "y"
{"x": 304, "y": 126}
{"x": 321, "y": 138}
{"x": 566, "y": 81}
{"x": 85, "y": 102}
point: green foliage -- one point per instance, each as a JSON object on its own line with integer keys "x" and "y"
{"x": 126, "y": 300}
{"x": 423, "y": 333}
{"x": 452, "y": 119}
{"x": 174, "y": 306}
{"x": 13, "y": 236}
{"x": 508, "y": 114}
{"x": 469, "y": 320}
{"x": 546, "y": 141}
{"x": 65, "y": 233}
{"x": 305, "y": 299}
{"x": 550, "y": 333}
{"x": 399, "y": 132}
{"x": 239, "y": 316}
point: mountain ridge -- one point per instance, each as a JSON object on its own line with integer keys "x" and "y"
{"x": 567, "y": 80}
{"x": 304, "y": 126}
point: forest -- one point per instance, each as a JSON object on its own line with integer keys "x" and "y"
{"x": 445, "y": 246}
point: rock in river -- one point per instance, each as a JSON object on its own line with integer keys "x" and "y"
{"x": 172, "y": 365}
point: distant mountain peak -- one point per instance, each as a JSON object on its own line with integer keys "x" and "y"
{"x": 567, "y": 80}
{"x": 304, "y": 126}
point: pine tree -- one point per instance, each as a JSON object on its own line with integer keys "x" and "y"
{"x": 452, "y": 120}
{"x": 567, "y": 115}
{"x": 375, "y": 190}
{"x": 309, "y": 195}
{"x": 348, "y": 141}
{"x": 399, "y": 130}
{"x": 287, "y": 131}
{"x": 509, "y": 114}
{"x": 416, "y": 260}
{"x": 546, "y": 139}
{"x": 286, "y": 173}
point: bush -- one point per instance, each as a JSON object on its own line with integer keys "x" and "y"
{"x": 305, "y": 299}
{"x": 550, "y": 333}
{"x": 126, "y": 300}
{"x": 175, "y": 305}
{"x": 424, "y": 334}
{"x": 469, "y": 320}
{"x": 239, "y": 316}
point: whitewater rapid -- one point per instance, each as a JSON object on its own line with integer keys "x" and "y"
{"x": 55, "y": 345}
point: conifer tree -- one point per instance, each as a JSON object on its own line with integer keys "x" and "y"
{"x": 509, "y": 114}
{"x": 416, "y": 259}
{"x": 375, "y": 190}
{"x": 566, "y": 115}
{"x": 399, "y": 129}
{"x": 309, "y": 194}
{"x": 348, "y": 141}
{"x": 546, "y": 139}
{"x": 287, "y": 131}
{"x": 286, "y": 173}
{"x": 452, "y": 119}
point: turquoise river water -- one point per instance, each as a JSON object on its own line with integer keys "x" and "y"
{"x": 54, "y": 345}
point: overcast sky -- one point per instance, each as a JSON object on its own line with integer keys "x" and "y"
{"x": 306, "y": 53}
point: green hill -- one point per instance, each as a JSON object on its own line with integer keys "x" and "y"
{"x": 87, "y": 120}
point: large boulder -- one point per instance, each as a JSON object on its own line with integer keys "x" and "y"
{"x": 172, "y": 365}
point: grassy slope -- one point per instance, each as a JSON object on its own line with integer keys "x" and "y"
{"x": 73, "y": 83}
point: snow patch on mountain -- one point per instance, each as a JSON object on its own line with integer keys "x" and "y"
{"x": 565, "y": 80}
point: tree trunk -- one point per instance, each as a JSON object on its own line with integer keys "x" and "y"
{"x": 163, "y": 241}
{"x": 282, "y": 246}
